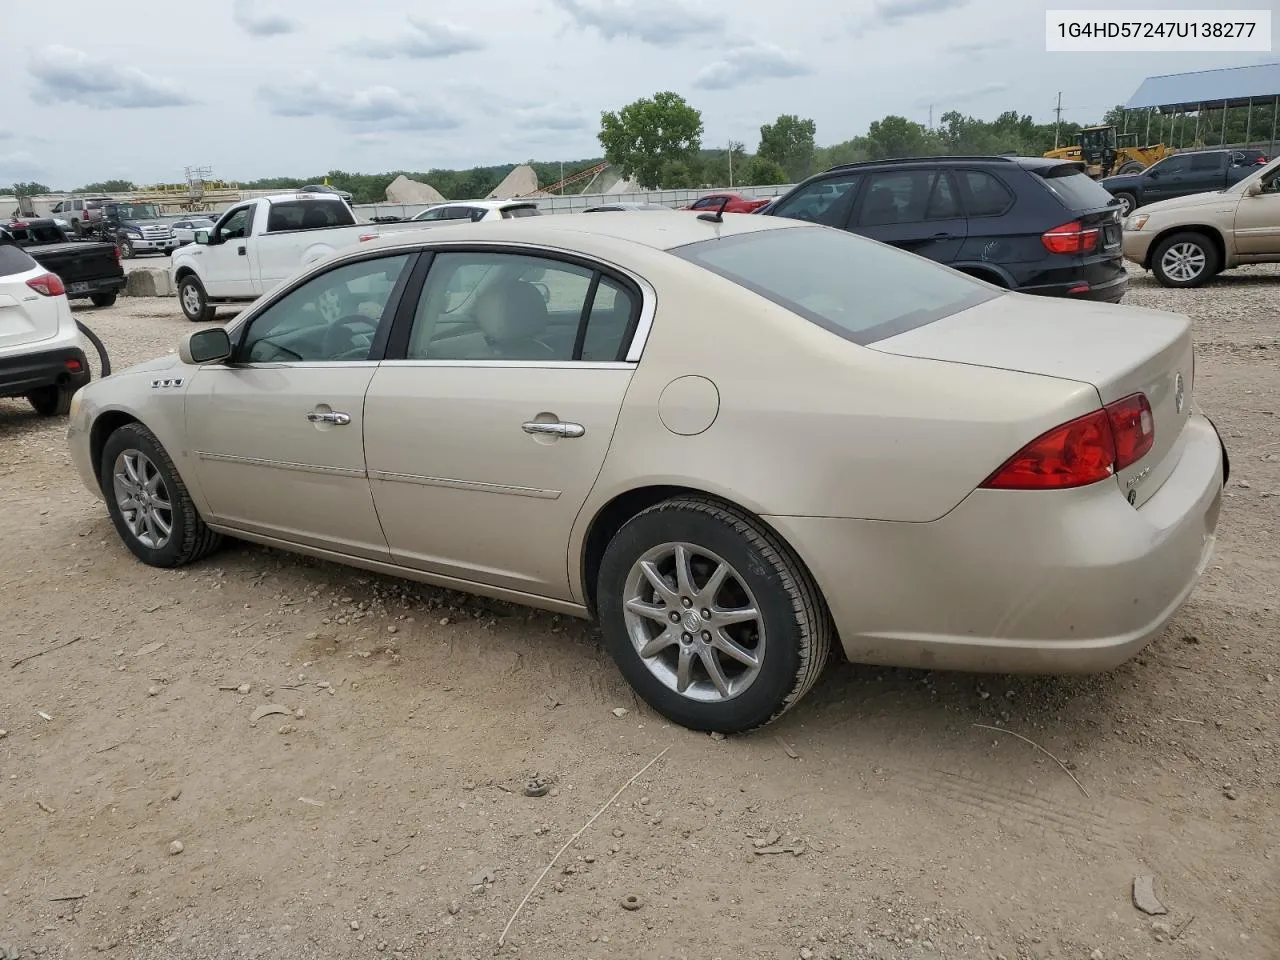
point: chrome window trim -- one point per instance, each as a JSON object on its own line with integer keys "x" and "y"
{"x": 648, "y": 295}
{"x": 545, "y": 364}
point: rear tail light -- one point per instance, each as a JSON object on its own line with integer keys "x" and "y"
{"x": 1071, "y": 237}
{"x": 47, "y": 285}
{"x": 1081, "y": 451}
{"x": 116, "y": 251}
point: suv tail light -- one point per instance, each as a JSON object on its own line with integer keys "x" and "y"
{"x": 47, "y": 285}
{"x": 1081, "y": 451}
{"x": 1071, "y": 237}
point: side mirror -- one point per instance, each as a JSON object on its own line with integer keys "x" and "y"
{"x": 205, "y": 346}
{"x": 1253, "y": 189}
{"x": 202, "y": 237}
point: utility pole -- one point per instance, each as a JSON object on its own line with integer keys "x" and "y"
{"x": 931, "y": 116}
{"x": 1057, "y": 124}
{"x": 730, "y": 164}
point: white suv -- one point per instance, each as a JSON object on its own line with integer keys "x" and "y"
{"x": 40, "y": 353}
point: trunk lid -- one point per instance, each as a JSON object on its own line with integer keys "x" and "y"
{"x": 1118, "y": 350}
{"x": 25, "y": 315}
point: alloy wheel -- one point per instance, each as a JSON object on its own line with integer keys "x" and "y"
{"x": 694, "y": 622}
{"x": 191, "y": 300}
{"x": 1183, "y": 262}
{"x": 143, "y": 499}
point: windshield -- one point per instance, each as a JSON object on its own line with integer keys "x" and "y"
{"x": 857, "y": 288}
{"x": 136, "y": 211}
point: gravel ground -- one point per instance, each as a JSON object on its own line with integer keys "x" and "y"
{"x": 146, "y": 815}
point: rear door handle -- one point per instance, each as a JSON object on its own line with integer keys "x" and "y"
{"x": 568, "y": 430}
{"x": 334, "y": 417}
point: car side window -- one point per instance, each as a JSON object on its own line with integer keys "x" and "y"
{"x": 943, "y": 203}
{"x": 903, "y": 196}
{"x": 983, "y": 194}
{"x": 434, "y": 213}
{"x": 505, "y": 306}
{"x": 825, "y": 201}
{"x": 236, "y": 226}
{"x": 333, "y": 317}
{"x": 1201, "y": 162}
{"x": 1172, "y": 166}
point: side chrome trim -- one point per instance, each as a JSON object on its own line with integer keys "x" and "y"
{"x": 542, "y": 364}
{"x": 292, "y": 364}
{"x": 284, "y": 465}
{"x": 476, "y": 485}
{"x": 648, "y": 308}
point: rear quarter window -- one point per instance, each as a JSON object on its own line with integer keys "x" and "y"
{"x": 14, "y": 260}
{"x": 854, "y": 287}
{"x": 1074, "y": 188}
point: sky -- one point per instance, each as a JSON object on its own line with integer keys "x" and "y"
{"x": 255, "y": 88}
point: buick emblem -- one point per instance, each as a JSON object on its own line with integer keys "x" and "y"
{"x": 1179, "y": 393}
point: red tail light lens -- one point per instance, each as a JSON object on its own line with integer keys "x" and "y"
{"x": 47, "y": 285}
{"x": 1071, "y": 237}
{"x": 1081, "y": 451}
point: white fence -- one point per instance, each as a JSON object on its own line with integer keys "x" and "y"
{"x": 576, "y": 203}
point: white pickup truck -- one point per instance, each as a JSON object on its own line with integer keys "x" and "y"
{"x": 258, "y": 244}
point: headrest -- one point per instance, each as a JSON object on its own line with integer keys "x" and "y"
{"x": 512, "y": 310}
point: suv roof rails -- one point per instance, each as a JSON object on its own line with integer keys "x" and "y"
{"x": 1004, "y": 158}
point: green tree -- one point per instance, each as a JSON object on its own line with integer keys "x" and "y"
{"x": 788, "y": 142}
{"x": 896, "y": 136}
{"x": 29, "y": 189}
{"x": 645, "y": 137}
{"x": 763, "y": 172}
{"x": 106, "y": 186}
{"x": 725, "y": 168}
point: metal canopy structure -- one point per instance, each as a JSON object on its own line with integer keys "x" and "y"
{"x": 1225, "y": 88}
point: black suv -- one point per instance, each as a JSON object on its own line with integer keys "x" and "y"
{"x": 1023, "y": 223}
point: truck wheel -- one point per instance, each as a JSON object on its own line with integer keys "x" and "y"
{"x": 51, "y": 401}
{"x": 195, "y": 302}
{"x": 1185, "y": 260}
{"x": 103, "y": 299}
{"x": 1133, "y": 166}
{"x": 126, "y": 249}
{"x": 1128, "y": 202}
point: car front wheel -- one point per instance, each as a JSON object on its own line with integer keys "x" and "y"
{"x": 710, "y": 616}
{"x": 1185, "y": 260}
{"x": 148, "y": 502}
{"x": 194, "y": 300}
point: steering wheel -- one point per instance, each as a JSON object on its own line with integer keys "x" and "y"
{"x": 342, "y": 338}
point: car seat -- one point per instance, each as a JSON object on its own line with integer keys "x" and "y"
{"x": 512, "y": 315}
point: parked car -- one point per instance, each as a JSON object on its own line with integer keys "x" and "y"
{"x": 137, "y": 228}
{"x": 475, "y": 210}
{"x": 1187, "y": 241}
{"x": 325, "y": 188}
{"x": 88, "y": 269}
{"x": 617, "y": 207}
{"x": 1023, "y": 223}
{"x": 80, "y": 212}
{"x": 733, "y": 203}
{"x": 958, "y": 477}
{"x": 1182, "y": 175}
{"x": 40, "y": 354}
{"x": 259, "y": 244}
{"x": 184, "y": 230}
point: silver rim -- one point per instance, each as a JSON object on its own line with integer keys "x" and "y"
{"x": 191, "y": 300}
{"x": 143, "y": 499}
{"x": 1125, "y": 206}
{"x": 1183, "y": 261}
{"x": 694, "y": 622}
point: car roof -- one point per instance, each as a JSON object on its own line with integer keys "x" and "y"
{"x": 659, "y": 230}
{"x": 486, "y": 204}
{"x": 1026, "y": 163}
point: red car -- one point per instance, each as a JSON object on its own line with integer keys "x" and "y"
{"x": 737, "y": 203}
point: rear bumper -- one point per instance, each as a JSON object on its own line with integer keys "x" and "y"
{"x": 22, "y": 373}
{"x": 1073, "y": 581}
{"x": 79, "y": 289}
{"x": 1111, "y": 290}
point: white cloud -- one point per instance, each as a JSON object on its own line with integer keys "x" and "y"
{"x": 661, "y": 23}
{"x": 385, "y": 107}
{"x": 748, "y": 64}
{"x": 63, "y": 75}
{"x": 424, "y": 40}
{"x": 260, "y": 23}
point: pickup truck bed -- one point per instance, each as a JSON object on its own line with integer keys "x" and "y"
{"x": 87, "y": 268}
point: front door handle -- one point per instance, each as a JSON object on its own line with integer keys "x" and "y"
{"x": 539, "y": 428}
{"x": 241, "y": 251}
{"x": 334, "y": 417}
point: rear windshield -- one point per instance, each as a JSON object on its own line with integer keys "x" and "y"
{"x": 36, "y": 232}
{"x": 14, "y": 260}
{"x": 529, "y": 211}
{"x": 1074, "y": 188}
{"x": 308, "y": 215}
{"x": 857, "y": 288}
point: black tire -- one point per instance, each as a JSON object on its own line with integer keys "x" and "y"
{"x": 797, "y": 625}
{"x": 1128, "y": 202}
{"x": 104, "y": 299}
{"x": 189, "y": 539}
{"x": 126, "y": 250}
{"x": 191, "y": 289}
{"x": 77, "y": 228}
{"x": 1198, "y": 248}
{"x": 1133, "y": 166}
{"x": 51, "y": 401}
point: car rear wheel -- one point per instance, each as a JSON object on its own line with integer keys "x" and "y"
{"x": 194, "y": 301}
{"x": 1128, "y": 203}
{"x": 710, "y": 616}
{"x": 51, "y": 401}
{"x": 148, "y": 502}
{"x": 1185, "y": 260}
{"x": 103, "y": 299}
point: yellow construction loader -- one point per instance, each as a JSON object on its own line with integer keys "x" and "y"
{"x": 1105, "y": 152}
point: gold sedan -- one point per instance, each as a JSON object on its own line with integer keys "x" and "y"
{"x": 735, "y": 441}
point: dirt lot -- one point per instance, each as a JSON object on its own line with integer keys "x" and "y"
{"x": 386, "y": 815}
